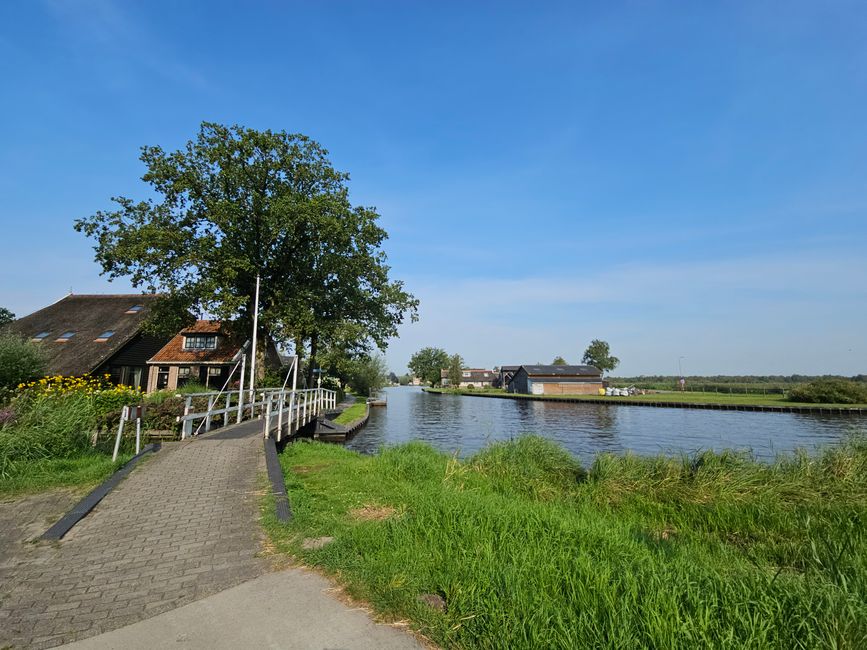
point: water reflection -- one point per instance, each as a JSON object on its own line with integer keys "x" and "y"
{"x": 465, "y": 424}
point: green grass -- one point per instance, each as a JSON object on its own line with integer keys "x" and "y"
{"x": 81, "y": 471}
{"x": 529, "y": 550}
{"x": 686, "y": 396}
{"x": 354, "y": 412}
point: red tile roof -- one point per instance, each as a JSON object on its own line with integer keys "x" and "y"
{"x": 174, "y": 352}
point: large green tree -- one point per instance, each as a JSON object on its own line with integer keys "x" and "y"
{"x": 598, "y": 354}
{"x": 428, "y": 363}
{"x": 456, "y": 366}
{"x": 236, "y": 202}
{"x": 6, "y": 317}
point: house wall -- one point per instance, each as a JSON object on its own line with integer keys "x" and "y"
{"x": 522, "y": 383}
{"x": 130, "y": 358}
{"x": 566, "y": 388}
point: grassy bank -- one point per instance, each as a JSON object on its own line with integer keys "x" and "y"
{"x": 354, "y": 412}
{"x": 85, "y": 470}
{"x": 528, "y": 550}
{"x": 661, "y": 398}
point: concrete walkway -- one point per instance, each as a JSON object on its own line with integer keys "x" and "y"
{"x": 182, "y": 526}
{"x": 290, "y": 609}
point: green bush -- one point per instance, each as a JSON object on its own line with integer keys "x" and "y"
{"x": 20, "y": 360}
{"x": 830, "y": 391}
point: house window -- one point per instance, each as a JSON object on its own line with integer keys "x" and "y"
{"x": 200, "y": 342}
{"x": 215, "y": 371}
{"x": 134, "y": 309}
{"x": 41, "y": 336}
{"x": 184, "y": 375}
{"x": 65, "y": 336}
{"x": 107, "y": 334}
{"x": 162, "y": 377}
{"x": 466, "y": 374}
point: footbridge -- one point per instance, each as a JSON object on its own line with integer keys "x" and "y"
{"x": 282, "y": 413}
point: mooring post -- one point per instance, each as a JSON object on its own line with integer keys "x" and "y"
{"x": 137, "y": 436}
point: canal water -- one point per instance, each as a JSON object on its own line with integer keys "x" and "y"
{"x": 453, "y": 423}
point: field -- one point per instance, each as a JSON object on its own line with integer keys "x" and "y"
{"x": 520, "y": 547}
{"x": 673, "y": 396}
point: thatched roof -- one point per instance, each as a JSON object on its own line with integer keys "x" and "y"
{"x": 87, "y": 317}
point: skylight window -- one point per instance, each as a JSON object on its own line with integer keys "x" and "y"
{"x": 66, "y": 336}
{"x": 107, "y": 334}
{"x": 134, "y": 309}
{"x": 41, "y": 336}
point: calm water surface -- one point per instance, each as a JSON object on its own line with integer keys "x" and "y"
{"x": 465, "y": 424}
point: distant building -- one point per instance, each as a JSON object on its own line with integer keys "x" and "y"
{"x": 471, "y": 378}
{"x": 556, "y": 380}
{"x": 504, "y": 376}
{"x": 95, "y": 334}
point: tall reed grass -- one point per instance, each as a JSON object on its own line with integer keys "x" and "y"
{"x": 530, "y": 550}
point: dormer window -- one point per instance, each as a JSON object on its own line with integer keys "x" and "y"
{"x": 200, "y": 342}
{"x": 107, "y": 334}
{"x": 134, "y": 309}
{"x": 63, "y": 338}
{"x": 41, "y": 336}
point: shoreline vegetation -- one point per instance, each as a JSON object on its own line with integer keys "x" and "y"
{"x": 354, "y": 413}
{"x": 520, "y": 546}
{"x": 688, "y": 397}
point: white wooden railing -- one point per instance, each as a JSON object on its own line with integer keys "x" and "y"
{"x": 281, "y": 409}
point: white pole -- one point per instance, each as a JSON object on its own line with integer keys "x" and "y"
{"x": 255, "y": 335}
{"x": 241, "y": 386}
{"x": 123, "y": 416}
{"x": 137, "y": 436}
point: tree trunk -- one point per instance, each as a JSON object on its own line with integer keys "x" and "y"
{"x": 311, "y": 365}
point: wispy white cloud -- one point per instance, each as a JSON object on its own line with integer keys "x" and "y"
{"x": 755, "y": 314}
{"x": 109, "y": 27}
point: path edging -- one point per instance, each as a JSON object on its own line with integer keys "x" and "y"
{"x": 278, "y": 486}
{"x": 88, "y": 503}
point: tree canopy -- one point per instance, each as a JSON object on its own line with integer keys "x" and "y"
{"x": 598, "y": 354}
{"x": 6, "y": 317}
{"x": 559, "y": 361}
{"x": 456, "y": 366}
{"x": 428, "y": 363}
{"x": 236, "y": 202}
{"x": 20, "y": 360}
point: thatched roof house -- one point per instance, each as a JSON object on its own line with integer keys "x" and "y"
{"x": 95, "y": 334}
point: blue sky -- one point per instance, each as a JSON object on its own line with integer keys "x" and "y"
{"x": 680, "y": 179}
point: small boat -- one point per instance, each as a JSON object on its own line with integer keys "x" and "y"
{"x": 376, "y": 401}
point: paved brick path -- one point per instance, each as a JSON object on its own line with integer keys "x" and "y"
{"x": 182, "y": 526}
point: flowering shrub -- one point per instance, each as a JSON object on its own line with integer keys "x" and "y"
{"x": 106, "y": 395}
